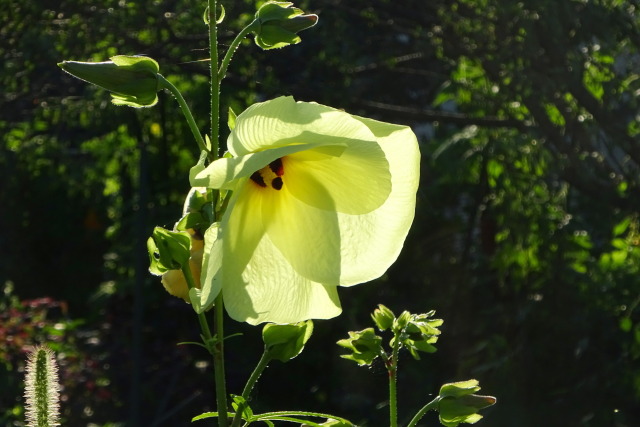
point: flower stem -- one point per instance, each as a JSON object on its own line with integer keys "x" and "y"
{"x": 251, "y": 382}
{"x": 215, "y": 347}
{"x": 218, "y": 347}
{"x": 202, "y": 319}
{"x": 234, "y": 46}
{"x": 215, "y": 81}
{"x": 393, "y": 376}
{"x": 429, "y": 406}
{"x": 218, "y": 363}
{"x": 166, "y": 84}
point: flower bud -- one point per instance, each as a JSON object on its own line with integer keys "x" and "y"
{"x": 284, "y": 342}
{"x": 458, "y": 404}
{"x": 365, "y": 346}
{"x": 279, "y": 23}
{"x": 132, "y": 80}
{"x": 383, "y": 317}
{"x": 174, "y": 281}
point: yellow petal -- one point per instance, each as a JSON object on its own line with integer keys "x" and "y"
{"x": 225, "y": 172}
{"x": 357, "y": 181}
{"x": 283, "y": 121}
{"x": 259, "y": 283}
{"x": 211, "y": 263}
{"x": 372, "y": 242}
{"x": 307, "y": 237}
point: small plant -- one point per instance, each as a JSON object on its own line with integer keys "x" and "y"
{"x": 42, "y": 389}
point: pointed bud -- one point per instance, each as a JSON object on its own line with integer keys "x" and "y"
{"x": 279, "y": 23}
{"x": 132, "y": 80}
{"x": 284, "y": 342}
{"x": 383, "y": 317}
{"x": 458, "y": 404}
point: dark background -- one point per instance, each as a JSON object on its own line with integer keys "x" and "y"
{"x": 526, "y": 239}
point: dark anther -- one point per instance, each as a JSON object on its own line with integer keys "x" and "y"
{"x": 277, "y": 183}
{"x": 276, "y": 167}
{"x": 257, "y": 178}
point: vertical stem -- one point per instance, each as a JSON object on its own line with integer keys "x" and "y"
{"x": 215, "y": 81}
{"x": 218, "y": 348}
{"x": 215, "y": 347}
{"x": 393, "y": 376}
{"x": 218, "y": 362}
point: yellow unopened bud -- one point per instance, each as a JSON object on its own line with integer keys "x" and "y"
{"x": 174, "y": 281}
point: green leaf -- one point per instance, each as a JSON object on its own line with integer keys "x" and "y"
{"x": 231, "y": 120}
{"x": 621, "y": 227}
{"x": 240, "y": 404}
{"x": 221, "y": 15}
{"x": 204, "y": 415}
{"x": 626, "y": 324}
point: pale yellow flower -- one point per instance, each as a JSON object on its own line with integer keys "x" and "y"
{"x": 321, "y": 199}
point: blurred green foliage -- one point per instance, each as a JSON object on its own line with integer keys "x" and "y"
{"x": 526, "y": 239}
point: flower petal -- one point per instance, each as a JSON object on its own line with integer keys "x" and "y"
{"x": 225, "y": 172}
{"x": 307, "y": 237}
{"x": 355, "y": 182}
{"x": 370, "y": 243}
{"x": 211, "y": 264}
{"x": 259, "y": 283}
{"x": 283, "y": 121}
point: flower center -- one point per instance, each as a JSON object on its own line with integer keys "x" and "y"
{"x": 270, "y": 175}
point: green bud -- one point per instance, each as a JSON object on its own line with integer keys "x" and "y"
{"x": 458, "y": 404}
{"x": 197, "y": 212}
{"x": 284, "y": 342}
{"x": 365, "y": 346}
{"x": 132, "y": 80}
{"x": 417, "y": 332}
{"x": 168, "y": 250}
{"x": 400, "y": 323}
{"x": 383, "y": 317}
{"x": 278, "y": 24}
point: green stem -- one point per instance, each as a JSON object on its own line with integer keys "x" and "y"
{"x": 218, "y": 348}
{"x": 215, "y": 81}
{"x": 234, "y": 46}
{"x": 218, "y": 363}
{"x": 204, "y": 325}
{"x": 215, "y": 347}
{"x": 166, "y": 84}
{"x": 251, "y": 382}
{"x": 255, "y": 375}
{"x": 429, "y": 406}
{"x": 393, "y": 371}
